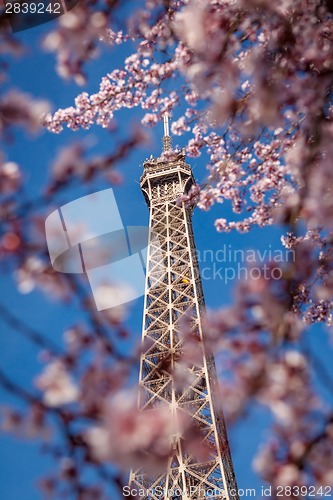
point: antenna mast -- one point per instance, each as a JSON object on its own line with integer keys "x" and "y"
{"x": 166, "y": 137}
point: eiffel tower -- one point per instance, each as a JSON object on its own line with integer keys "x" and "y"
{"x": 173, "y": 293}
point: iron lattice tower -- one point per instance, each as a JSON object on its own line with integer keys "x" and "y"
{"x": 174, "y": 290}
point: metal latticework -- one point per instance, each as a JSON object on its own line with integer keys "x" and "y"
{"x": 174, "y": 293}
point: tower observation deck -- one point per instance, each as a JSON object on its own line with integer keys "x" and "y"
{"x": 174, "y": 294}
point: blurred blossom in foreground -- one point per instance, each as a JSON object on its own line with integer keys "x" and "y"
{"x": 57, "y": 385}
{"x": 131, "y": 437}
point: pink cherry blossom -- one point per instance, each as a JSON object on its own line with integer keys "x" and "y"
{"x": 57, "y": 386}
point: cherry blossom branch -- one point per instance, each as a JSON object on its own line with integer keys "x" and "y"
{"x": 30, "y": 333}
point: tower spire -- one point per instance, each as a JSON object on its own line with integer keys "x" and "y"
{"x": 166, "y": 137}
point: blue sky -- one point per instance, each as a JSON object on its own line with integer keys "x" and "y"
{"x": 21, "y": 462}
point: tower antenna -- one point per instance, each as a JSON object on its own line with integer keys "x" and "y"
{"x": 166, "y": 137}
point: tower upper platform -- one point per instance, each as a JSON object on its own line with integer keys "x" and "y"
{"x": 167, "y": 177}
